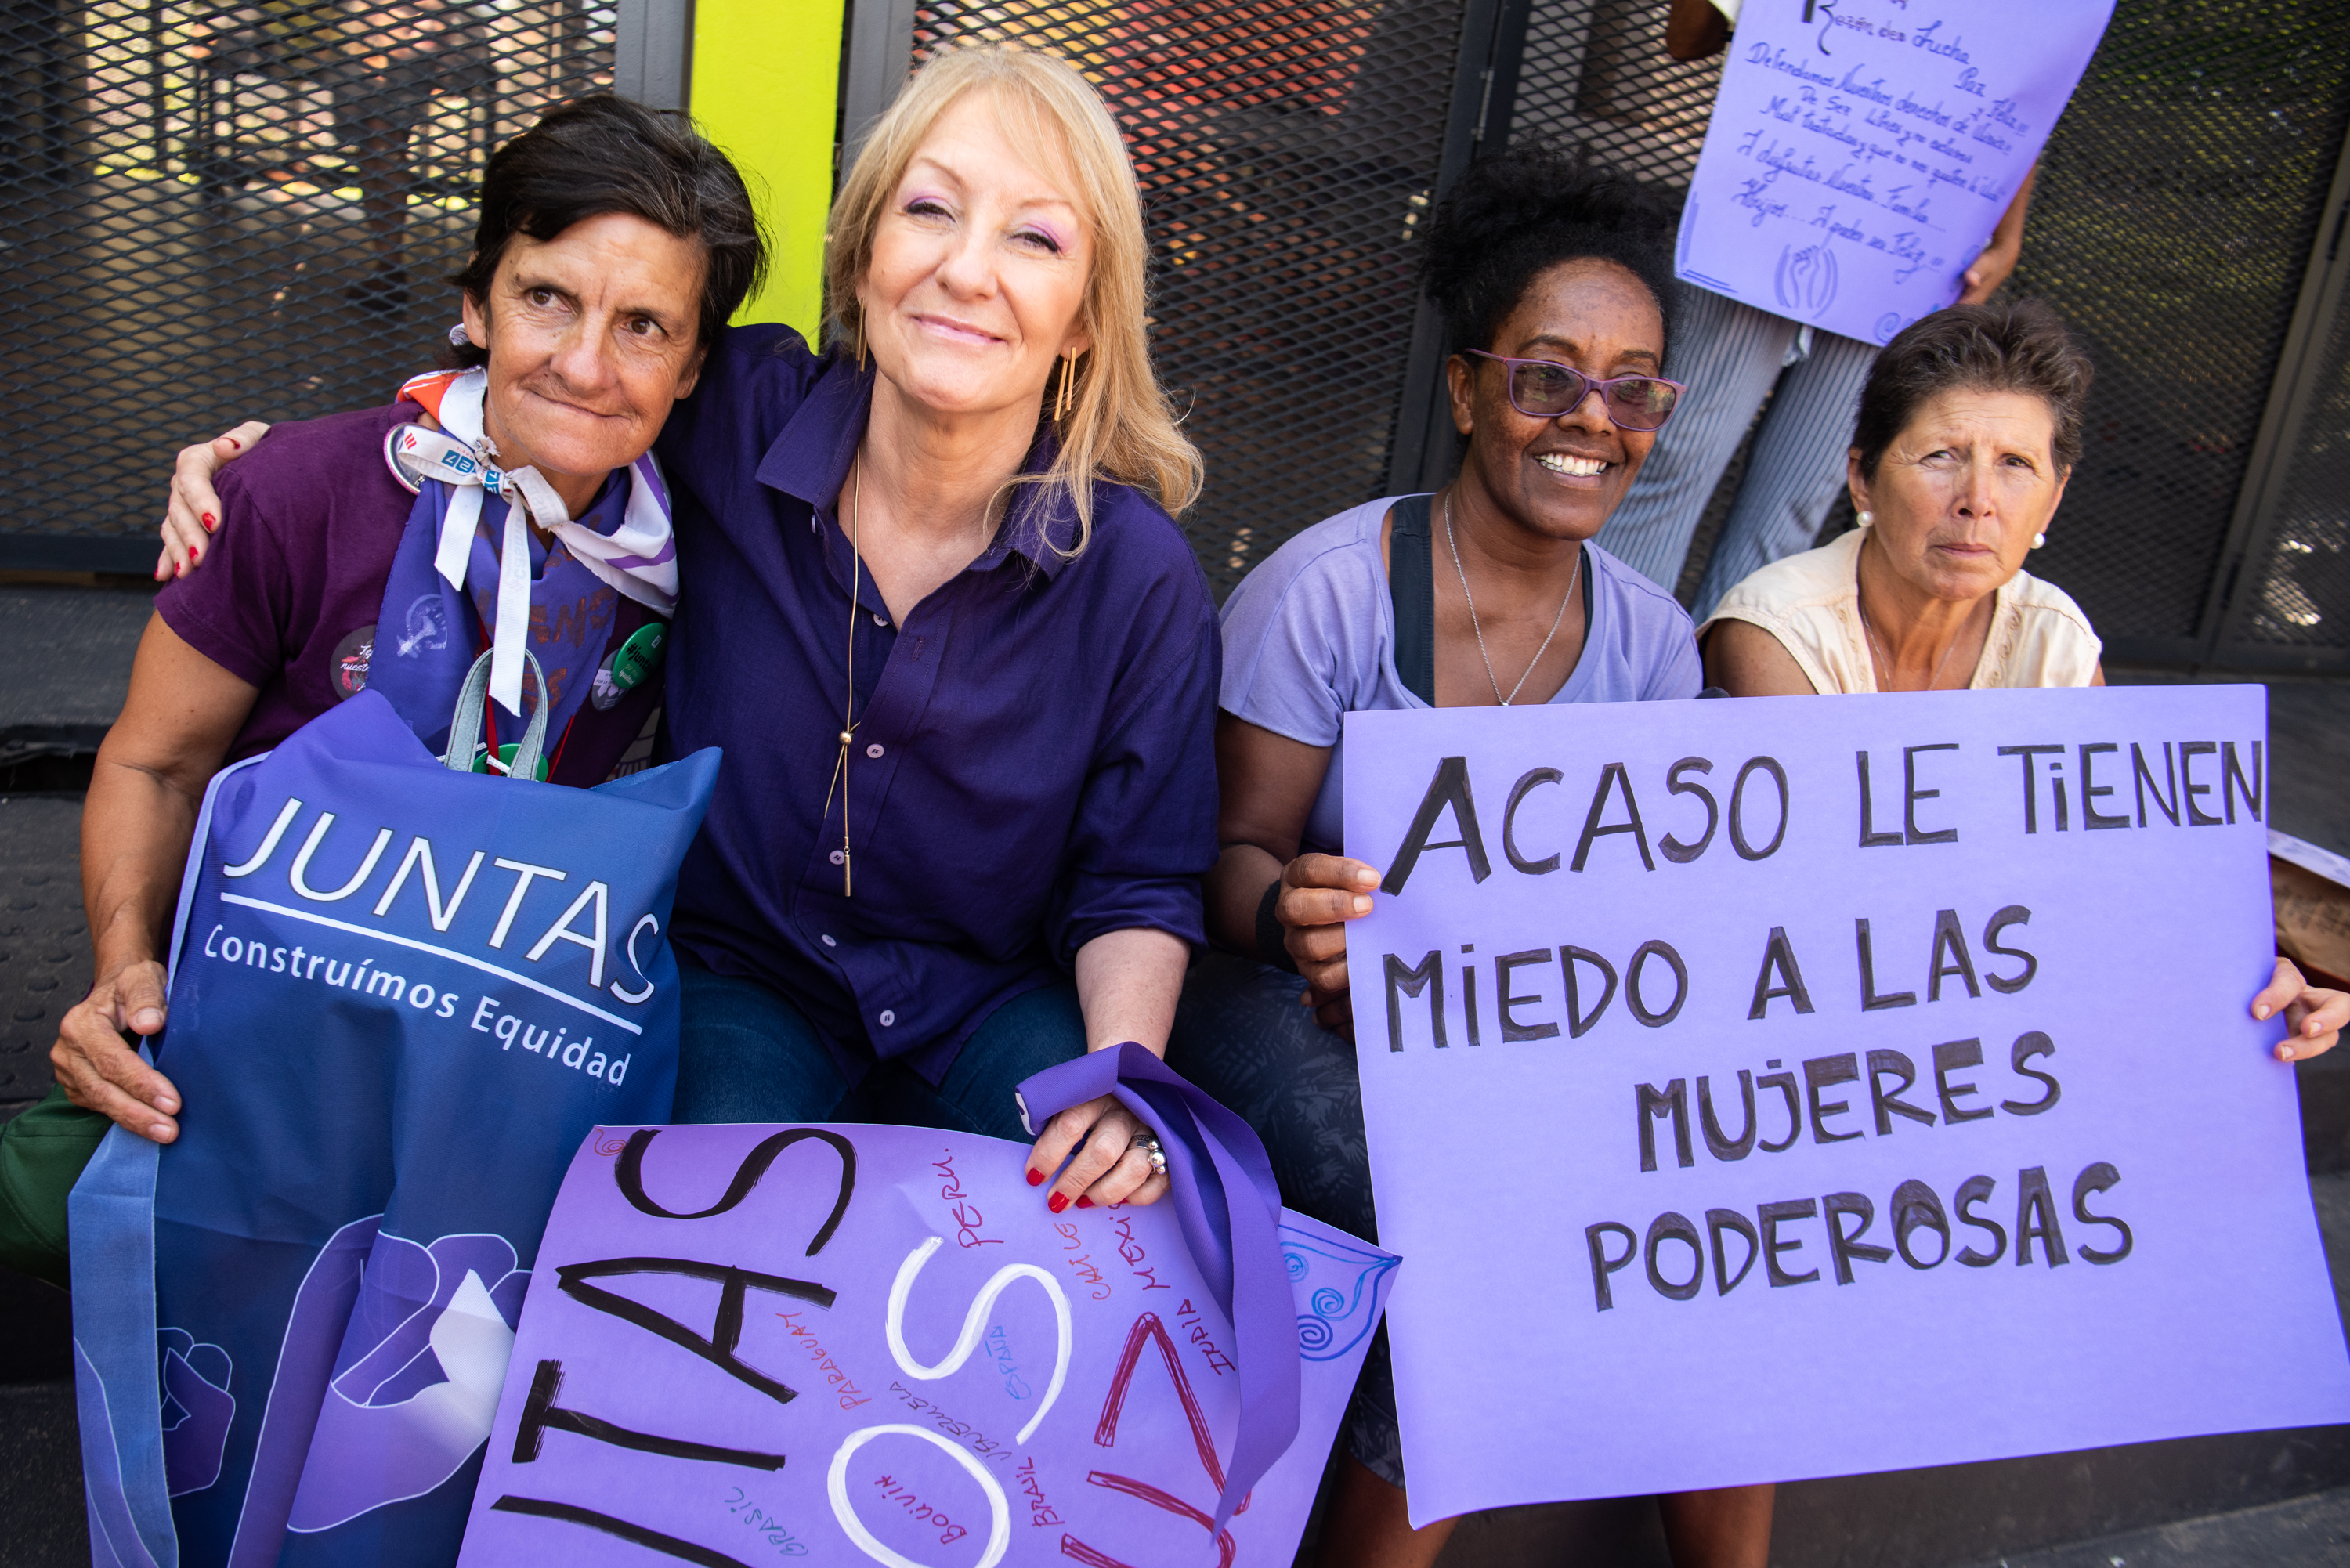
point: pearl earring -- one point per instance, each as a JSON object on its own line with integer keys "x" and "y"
{"x": 2038, "y": 540}
{"x": 1867, "y": 518}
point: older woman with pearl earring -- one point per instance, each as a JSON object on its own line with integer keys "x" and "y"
{"x": 1969, "y": 426}
{"x": 1968, "y": 429}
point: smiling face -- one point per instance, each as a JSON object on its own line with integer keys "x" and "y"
{"x": 1962, "y": 490}
{"x": 591, "y": 338}
{"x": 979, "y": 270}
{"x": 1560, "y": 477}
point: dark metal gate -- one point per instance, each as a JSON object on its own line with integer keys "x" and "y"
{"x": 2186, "y": 204}
{"x": 1286, "y": 153}
{"x": 2189, "y": 222}
{"x": 210, "y": 211}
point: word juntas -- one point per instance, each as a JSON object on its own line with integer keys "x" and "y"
{"x": 584, "y": 921}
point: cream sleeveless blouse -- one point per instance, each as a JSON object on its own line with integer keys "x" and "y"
{"x": 1811, "y": 603}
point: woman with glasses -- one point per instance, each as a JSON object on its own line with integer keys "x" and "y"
{"x": 1556, "y": 286}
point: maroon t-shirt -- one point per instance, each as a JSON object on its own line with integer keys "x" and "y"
{"x": 287, "y": 594}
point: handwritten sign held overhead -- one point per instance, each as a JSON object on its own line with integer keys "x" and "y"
{"x": 847, "y": 1343}
{"x": 1803, "y": 1086}
{"x": 1860, "y": 154}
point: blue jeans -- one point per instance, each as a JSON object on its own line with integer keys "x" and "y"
{"x": 1733, "y": 355}
{"x": 747, "y": 1054}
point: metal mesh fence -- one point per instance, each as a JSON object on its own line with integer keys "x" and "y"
{"x": 1595, "y": 75}
{"x": 2177, "y": 204}
{"x": 2301, "y": 589}
{"x": 210, "y": 212}
{"x": 1287, "y": 152}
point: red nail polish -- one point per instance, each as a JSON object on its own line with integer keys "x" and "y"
{"x": 236, "y": 443}
{"x": 1036, "y": 1179}
{"x": 1056, "y": 1202}
{"x": 209, "y": 522}
{"x": 1085, "y": 1203}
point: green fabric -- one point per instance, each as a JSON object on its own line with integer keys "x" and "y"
{"x": 42, "y": 1152}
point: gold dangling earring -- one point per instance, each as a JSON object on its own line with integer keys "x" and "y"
{"x": 860, "y": 348}
{"x": 1061, "y": 404}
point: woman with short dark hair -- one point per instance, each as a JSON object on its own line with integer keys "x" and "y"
{"x": 1969, "y": 427}
{"x": 1556, "y": 287}
{"x": 385, "y": 549}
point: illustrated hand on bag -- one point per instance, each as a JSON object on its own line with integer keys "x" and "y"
{"x": 99, "y": 1071}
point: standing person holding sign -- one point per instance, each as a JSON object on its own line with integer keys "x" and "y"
{"x": 1733, "y": 352}
{"x": 1556, "y": 288}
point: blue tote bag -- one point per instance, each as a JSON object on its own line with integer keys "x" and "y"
{"x": 400, "y": 996}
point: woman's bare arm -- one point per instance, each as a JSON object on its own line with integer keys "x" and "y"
{"x": 1745, "y": 660}
{"x": 1267, "y": 784}
{"x": 181, "y": 715}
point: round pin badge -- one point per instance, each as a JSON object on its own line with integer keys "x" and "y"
{"x": 505, "y": 761}
{"x": 349, "y": 670}
{"x": 627, "y": 666}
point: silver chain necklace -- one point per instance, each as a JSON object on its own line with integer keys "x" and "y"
{"x": 1887, "y": 659}
{"x": 1556, "y": 621}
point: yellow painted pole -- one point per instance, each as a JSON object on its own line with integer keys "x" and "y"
{"x": 766, "y": 73}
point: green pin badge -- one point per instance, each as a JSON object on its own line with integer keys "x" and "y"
{"x": 627, "y": 666}
{"x": 505, "y": 761}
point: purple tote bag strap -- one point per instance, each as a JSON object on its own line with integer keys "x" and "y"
{"x": 1230, "y": 1209}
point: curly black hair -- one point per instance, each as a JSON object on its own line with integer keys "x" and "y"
{"x": 1517, "y": 215}
{"x": 603, "y": 154}
{"x": 2023, "y": 346}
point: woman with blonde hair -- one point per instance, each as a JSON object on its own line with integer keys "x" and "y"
{"x": 962, "y": 665}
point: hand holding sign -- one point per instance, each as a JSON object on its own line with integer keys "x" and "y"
{"x": 1319, "y": 895}
{"x": 1897, "y": 1067}
{"x": 749, "y": 1343}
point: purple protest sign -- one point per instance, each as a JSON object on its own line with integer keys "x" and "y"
{"x": 750, "y": 1343}
{"x": 1803, "y": 1086}
{"x": 1856, "y": 163}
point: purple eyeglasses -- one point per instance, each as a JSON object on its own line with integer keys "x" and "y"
{"x": 1544, "y": 389}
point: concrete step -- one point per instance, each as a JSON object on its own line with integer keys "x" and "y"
{"x": 2307, "y": 1533}
{"x": 42, "y": 1525}
{"x": 45, "y": 963}
{"x": 65, "y": 660}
